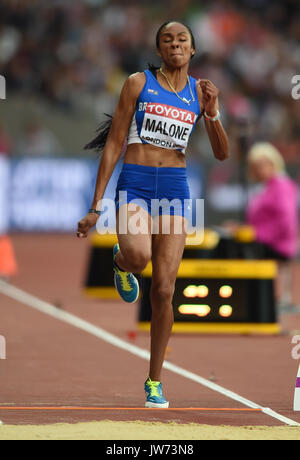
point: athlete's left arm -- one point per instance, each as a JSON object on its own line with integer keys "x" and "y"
{"x": 209, "y": 102}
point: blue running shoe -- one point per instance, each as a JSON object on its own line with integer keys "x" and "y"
{"x": 154, "y": 395}
{"x": 126, "y": 283}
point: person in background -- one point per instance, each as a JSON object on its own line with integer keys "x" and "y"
{"x": 271, "y": 216}
{"x": 273, "y": 211}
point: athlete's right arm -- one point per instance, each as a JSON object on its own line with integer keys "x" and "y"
{"x": 113, "y": 148}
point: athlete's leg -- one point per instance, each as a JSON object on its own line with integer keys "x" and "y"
{"x": 167, "y": 251}
{"x": 134, "y": 234}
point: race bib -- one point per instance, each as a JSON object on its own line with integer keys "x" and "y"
{"x": 167, "y": 126}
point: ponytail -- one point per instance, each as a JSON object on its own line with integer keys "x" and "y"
{"x": 99, "y": 142}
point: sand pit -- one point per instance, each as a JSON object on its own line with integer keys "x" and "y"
{"x": 108, "y": 430}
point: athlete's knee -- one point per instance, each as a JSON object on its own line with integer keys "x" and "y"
{"x": 162, "y": 292}
{"x": 139, "y": 263}
{"x": 138, "y": 259}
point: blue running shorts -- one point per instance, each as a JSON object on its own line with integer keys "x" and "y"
{"x": 160, "y": 191}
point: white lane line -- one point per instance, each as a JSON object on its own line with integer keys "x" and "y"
{"x": 44, "y": 307}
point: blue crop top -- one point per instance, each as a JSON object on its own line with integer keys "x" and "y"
{"x": 161, "y": 118}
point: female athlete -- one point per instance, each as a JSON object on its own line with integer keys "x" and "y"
{"x": 157, "y": 112}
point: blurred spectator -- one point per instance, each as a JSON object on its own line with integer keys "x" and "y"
{"x": 38, "y": 141}
{"x": 273, "y": 212}
{"x": 5, "y": 142}
{"x": 272, "y": 224}
{"x": 70, "y": 53}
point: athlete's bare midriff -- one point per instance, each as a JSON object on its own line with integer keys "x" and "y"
{"x": 149, "y": 155}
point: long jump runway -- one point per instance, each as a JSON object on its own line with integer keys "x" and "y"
{"x": 71, "y": 359}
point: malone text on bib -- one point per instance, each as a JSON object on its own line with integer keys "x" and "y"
{"x": 166, "y": 126}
